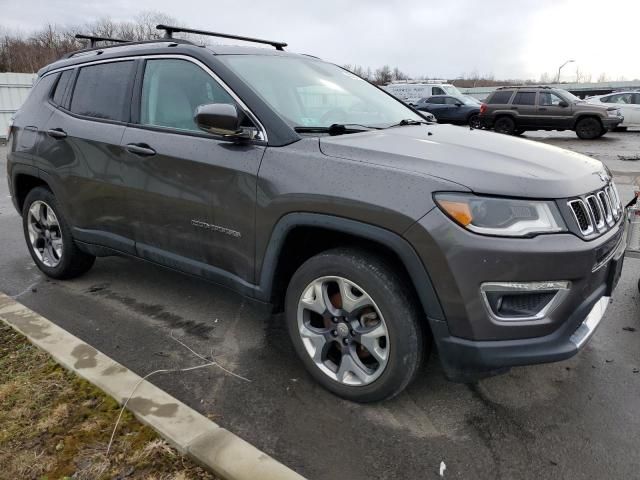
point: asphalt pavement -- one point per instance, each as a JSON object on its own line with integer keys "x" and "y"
{"x": 578, "y": 419}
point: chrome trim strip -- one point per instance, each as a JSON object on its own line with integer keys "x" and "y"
{"x": 262, "y": 134}
{"x": 562, "y": 288}
{"x": 606, "y": 203}
{"x": 589, "y": 325}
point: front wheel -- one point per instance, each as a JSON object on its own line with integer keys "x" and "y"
{"x": 355, "y": 324}
{"x": 588, "y": 128}
{"x": 49, "y": 237}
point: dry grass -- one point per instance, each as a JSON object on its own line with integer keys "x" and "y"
{"x": 54, "y": 425}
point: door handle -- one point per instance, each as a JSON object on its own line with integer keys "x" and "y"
{"x": 57, "y": 133}
{"x": 141, "y": 149}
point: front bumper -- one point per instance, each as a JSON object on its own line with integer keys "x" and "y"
{"x": 471, "y": 343}
{"x": 612, "y": 122}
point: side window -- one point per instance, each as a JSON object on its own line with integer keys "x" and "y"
{"x": 623, "y": 98}
{"x": 500, "y": 97}
{"x": 102, "y": 91}
{"x": 525, "y": 98}
{"x": 636, "y": 99}
{"x": 173, "y": 89}
{"x": 548, "y": 99}
{"x": 61, "y": 87}
{"x": 437, "y": 91}
{"x": 451, "y": 100}
{"x": 436, "y": 100}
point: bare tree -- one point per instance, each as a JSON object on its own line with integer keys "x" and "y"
{"x": 383, "y": 75}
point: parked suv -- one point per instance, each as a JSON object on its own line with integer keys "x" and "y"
{"x": 297, "y": 183}
{"x": 514, "y": 110}
{"x": 458, "y": 110}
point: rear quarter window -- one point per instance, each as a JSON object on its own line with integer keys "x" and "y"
{"x": 61, "y": 87}
{"x": 525, "y": 98}
{"x": 102, "y": 91}
{"x": 501, "y": 96}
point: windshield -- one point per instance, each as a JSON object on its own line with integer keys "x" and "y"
{"x": 312, "y": 93}
{"x": 570, "y": 97}
{"x": 451, "y": 90}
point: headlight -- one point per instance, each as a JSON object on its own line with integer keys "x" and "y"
{"x": 614, "y": 113}
{"x": 505, "y": 217}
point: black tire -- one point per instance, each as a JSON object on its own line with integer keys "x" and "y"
{"x": 620, "y": 129}
{"x": 72, "y": 262}
{"x": 396, "y": 303}
{"x": 602, "y": 132}
{"x": 506, "y": 125}
{"x": 588, "y": 128}
{"x": 474, "y": 121}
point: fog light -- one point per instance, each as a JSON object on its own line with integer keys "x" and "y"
{"x": 522, "y": 301}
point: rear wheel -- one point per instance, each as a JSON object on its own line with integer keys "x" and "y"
{"x": 504, "y": 125}
{"x": 49, "y": 238}
{"x": 354, "y": 324}
{"x": 474, "y": 121}
{"x": 588, "y": 128}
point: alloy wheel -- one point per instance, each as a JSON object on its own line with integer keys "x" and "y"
{"x": 45, "y": 235}
{"x": 343, "y": 331}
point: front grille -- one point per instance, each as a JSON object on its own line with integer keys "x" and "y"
{"x": 597, "y": 212}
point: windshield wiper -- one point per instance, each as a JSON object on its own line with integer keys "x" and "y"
{"x": 409, "y": 121}
{"x": 336, "y": 128}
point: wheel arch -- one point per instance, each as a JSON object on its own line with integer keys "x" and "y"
{"x": 24, "y": 178}
{"x": 306, "y": 234}
{"x": 584, "y": 115}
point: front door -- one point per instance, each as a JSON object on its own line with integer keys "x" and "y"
{"x": 192, "y": 196}
{"x": 551, "y": 113}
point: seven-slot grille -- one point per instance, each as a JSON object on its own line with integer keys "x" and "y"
{"x": 598, "y": 211}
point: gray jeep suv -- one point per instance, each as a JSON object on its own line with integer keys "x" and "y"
{"x": 298, "y": 184}
{"x": 514, "y": 110}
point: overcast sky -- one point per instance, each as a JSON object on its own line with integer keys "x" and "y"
{"x": 447, "y": 38}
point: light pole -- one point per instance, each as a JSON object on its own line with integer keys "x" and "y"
{"x": 560, "y": 68}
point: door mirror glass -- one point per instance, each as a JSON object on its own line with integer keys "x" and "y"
{"x": 563, "y": 104}
{"x": 223, "y": 119}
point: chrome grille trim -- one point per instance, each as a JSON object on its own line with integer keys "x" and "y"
{"x": 579, "y": 204}
{"x": 599, "y": 210}
{"x": 596, "y": 211}
{"x": 606, "y": 205}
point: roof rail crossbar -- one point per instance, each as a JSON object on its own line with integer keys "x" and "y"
{"x": 170, "y": 30}
{"x": 93, "y": 39}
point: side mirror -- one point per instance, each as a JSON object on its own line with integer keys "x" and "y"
{"x": 458, "y": 104}
{"x": 223, "y": 120}
{"x": 563, "y": 104}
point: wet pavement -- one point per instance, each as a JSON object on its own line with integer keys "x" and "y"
{"x": 575, "y": 419}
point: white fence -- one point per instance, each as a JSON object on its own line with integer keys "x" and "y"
{"x": 14, "y": 88}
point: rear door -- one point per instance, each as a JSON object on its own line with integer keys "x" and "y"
{"x": 192, "y": 196}
{"x": 82, "y": 153}
{"x": 524, "y": 103}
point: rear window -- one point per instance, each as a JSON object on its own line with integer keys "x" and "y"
{"x": 525, "y": 98}
{"x": 61, "y": 87}
{"x": 101, "y": 91}
{"x": 501, "y": 96}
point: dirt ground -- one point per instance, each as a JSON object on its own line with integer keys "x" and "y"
{"x": 54, "y": 425}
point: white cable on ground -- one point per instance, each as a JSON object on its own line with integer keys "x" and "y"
{"x": 210, "y": 363}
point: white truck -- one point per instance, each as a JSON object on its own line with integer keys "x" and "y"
{"x": 412, "y": 92}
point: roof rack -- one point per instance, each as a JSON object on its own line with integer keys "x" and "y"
{"x": 100, "y": 50}
{"x": 93, "y": 39}
{"x": 505, "y": 87}
{"x": 170, "y": 30}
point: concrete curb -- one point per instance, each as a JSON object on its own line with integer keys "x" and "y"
{"x": 188, "y": 431}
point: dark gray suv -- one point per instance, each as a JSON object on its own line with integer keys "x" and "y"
{"x": 297, "y": 183}
{"x": 514, "y": 110}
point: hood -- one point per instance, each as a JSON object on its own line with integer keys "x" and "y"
{"x": 482, "y": 161}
